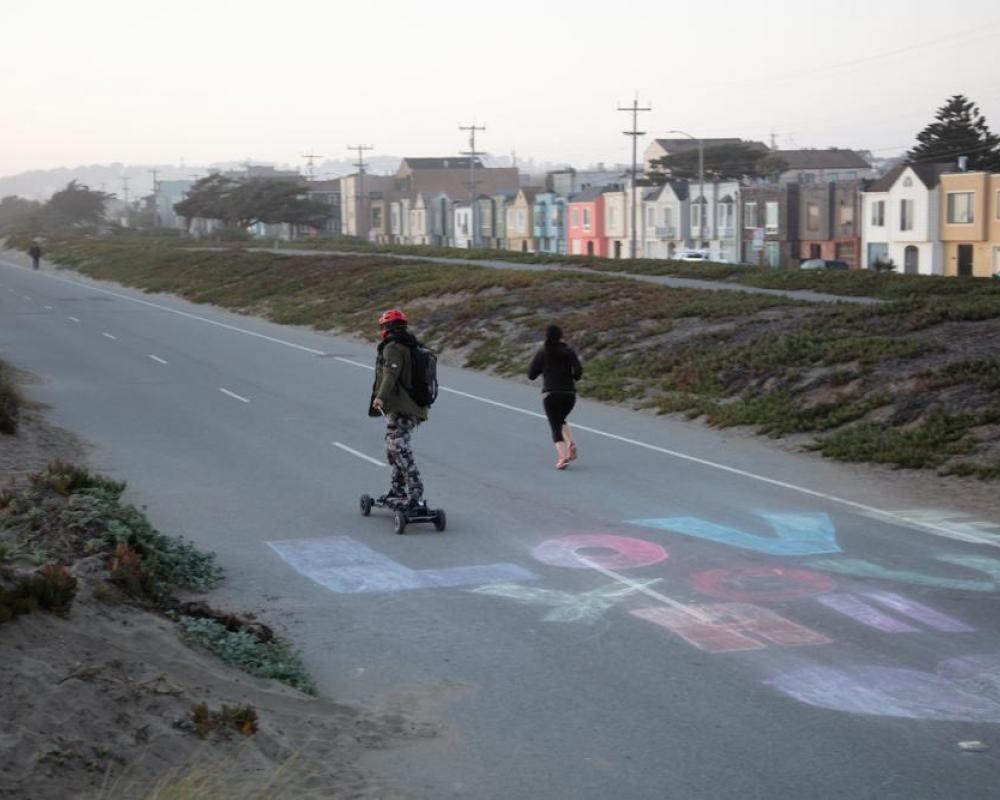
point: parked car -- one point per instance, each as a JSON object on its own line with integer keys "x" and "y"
{"x": 691, "y": 255}
{"x": 823, "y": 263}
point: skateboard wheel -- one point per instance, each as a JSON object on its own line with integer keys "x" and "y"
{"x": 399, "y": 522}
{"x": 440, "y": 520}
{"x": 366, "y": 505}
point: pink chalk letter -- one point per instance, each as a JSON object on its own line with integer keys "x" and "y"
{"x": 761, "y": 584}
{"x": 605, "y": 550}
{"x": 730, "y": 627}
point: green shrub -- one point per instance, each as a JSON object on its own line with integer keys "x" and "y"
{"x": 938, "y": 437}
{"x": 69, "y": 512}
{"x": 52, "y": 588}
{"x": 273, "y": 659}
{"x": 11, "y": 401}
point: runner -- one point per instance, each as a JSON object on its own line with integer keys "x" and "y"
{"x": 560, "y": 369}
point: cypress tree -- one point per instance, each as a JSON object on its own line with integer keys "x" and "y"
{"x": 959, "y": 129}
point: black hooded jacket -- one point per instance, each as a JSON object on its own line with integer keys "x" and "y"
{"x": 559, "y": 367}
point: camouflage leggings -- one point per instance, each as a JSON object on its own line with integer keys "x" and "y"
{"x": 405, "y": 475}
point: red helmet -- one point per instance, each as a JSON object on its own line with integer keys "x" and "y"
{"x": 393, "y": 315}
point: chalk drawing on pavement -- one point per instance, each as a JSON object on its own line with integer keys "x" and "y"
{"x": 761, "y": 584}
{"x": 609, "y": 552}
{"x": 861, "y": 568}
{"x": 950, "y": 524}
{"x": 860, "y": 610}
{"x": 805, "y": 534}
{"x": 961, "y": 689}
{"x": 731, "y": 627}
{"x": 344, "y": 565}
{"x": 586, "y": 607}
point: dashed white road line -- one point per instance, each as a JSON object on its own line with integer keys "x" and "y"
{"x": 48, "y": 308}
{"x": 234, "y": 395}
{"x": 157, "y": 359}
{"x": 74, "y": 319}
{"x": 359, "y": 454}
{"x": 107, "y": 335}
{"x": 26, "y": 297}
{"x": 881, "y": 513}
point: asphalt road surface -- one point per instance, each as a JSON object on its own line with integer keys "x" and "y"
{"x": 681, "y": 614}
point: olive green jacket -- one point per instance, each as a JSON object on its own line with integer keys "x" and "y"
{"x": 393, "y": 372}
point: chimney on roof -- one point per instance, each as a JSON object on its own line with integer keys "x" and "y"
{"x": 963, "y": 163}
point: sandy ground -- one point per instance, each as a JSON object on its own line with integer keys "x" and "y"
{"x": 98, "y": 703}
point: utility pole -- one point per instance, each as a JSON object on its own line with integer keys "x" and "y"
{"x": 473, "y": 154}
{"x": 156, "y": 208}
{"x": 360, "y": 164}
{"x": 635, "y": 133}
{"x": 310, "y": 160}
{"x": 125, "y": 189}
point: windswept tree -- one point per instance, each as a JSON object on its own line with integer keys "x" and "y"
{"x": 959, "y": 129}
{"x": 18, "y": 214}
{"x": 75, "y": 206}
{"x": 722, "y": 162}
{"x": 209, "y": 198}
{"x": 242, "y": 203}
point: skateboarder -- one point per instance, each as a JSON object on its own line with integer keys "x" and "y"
{"x": 560, "y": 369}
{"x": 391, "y": 397}
{"x": 35, "y": 251}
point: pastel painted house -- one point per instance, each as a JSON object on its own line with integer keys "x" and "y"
{"x": 666, "y": 220}
{"x": 830, "y": 222}
{"x": 464, "y": 226}
{"x": 616, "y": 209}
{"x": 441, "y": 220}
{"x": 520, "y": 221}
{"x": 493, "y": 220}
{"x": 901, "y": 220}
{"x": 421, "y": 218}
{"x": 970, "y": 223}
{"x": 550, "y": 223}
{"x": 585, "y": 230}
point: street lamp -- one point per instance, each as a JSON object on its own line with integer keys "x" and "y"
{"x": 701, "y": 179}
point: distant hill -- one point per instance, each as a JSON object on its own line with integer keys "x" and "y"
{"x": 41, "y": 184}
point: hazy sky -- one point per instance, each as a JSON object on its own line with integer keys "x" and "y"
{"x": 210, "y": 80}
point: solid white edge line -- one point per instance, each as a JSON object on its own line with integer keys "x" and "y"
{"x": 108, "y": 335}
{"x": 886, "y": 515}
{"x": 359, "y": 454}
{"x": 234, "y": 395}
{"x": 157, "y": 359}
{"x": 179, "y": 313}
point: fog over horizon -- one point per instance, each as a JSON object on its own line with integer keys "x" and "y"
{"x": 109, "y": 83}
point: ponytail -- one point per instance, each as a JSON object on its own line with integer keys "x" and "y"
{"x": 553, "y": 336}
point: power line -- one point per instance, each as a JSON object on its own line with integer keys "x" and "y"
{"x": 770, "y": 81}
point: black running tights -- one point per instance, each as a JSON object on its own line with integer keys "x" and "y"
{"x": 557, "y": 408}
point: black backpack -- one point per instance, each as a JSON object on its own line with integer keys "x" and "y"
{"x": 423, "y": 375}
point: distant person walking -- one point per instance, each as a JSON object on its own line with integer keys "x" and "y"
{"x": 35, "y": 251}
{"x": 560, "y": 369}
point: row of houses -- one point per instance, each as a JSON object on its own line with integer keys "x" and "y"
{"x": 936, "y": 219}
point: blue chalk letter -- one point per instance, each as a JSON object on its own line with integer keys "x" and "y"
{"x": 796, "y": 534}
